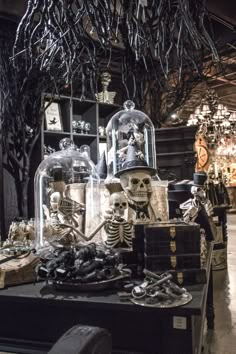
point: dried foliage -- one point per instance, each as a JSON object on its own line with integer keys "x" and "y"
{"x": 158, "y": 46}
{"x": 161, "y": 43}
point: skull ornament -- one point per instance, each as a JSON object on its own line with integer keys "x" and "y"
{"x": 118, "y": 204}
{"x": 137, "y": 185}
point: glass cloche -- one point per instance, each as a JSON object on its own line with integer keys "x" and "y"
{"x": 126, "y": 127}
{"x": 66, "y": 197}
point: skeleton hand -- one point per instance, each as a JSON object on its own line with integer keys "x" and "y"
{"x": 190, "y": 214}
{"x": 108, "y": 214}
{"x": 140, "y": 155}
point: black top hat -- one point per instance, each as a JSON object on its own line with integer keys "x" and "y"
{"x": 101, "y": 166}
{"x": 199, "y": 178}
{"x": 134, "y": 162}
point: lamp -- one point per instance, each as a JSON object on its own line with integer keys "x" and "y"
{"x": 213, "y": 119}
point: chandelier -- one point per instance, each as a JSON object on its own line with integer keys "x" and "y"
{"x": 213, "y": 119}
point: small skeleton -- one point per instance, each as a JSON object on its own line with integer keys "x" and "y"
{"x": 105, "y": 95}
{"x": 193, "y": 206}
{"x": 119, "y": 231}
{"x": 63, "y": 209}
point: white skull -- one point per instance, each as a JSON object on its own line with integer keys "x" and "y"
{"x": 118, "y": 204}
{"x": 198, "y": 191}
{"x": 55, "y": 199}
{"x": 137, "y": 185}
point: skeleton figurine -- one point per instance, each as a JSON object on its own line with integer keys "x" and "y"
{"x": 62, "y": 209}
{"x": 135, "y": 178}
{"x": 105, "y": 96}
{"x": 118, "y": 230}
{"x": 193, "y": 206}
{"x": 138, "y": 190}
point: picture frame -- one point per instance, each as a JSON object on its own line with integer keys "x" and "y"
{"x": 53, "y": 118}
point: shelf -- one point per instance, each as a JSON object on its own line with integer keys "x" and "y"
{"x": 85, "y": 135}
{"x": 56, "y": 132}
{"x": 81, "y": 107}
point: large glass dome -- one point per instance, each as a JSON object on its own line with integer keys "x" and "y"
{"x": 66, "y": 196}
{"x": 125, "y": 127}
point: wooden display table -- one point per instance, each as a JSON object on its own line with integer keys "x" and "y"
{"x": 34, "y": 316}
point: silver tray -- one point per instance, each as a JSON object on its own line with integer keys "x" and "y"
{"x": 93, "y": 286}
{"x": 183, "y": 300}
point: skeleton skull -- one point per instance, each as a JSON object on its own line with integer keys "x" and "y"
{"x": 198, "y": 191}
{"x": 137, "y": 185}
{"x": 118, "y": 204}
{"x": 55, "y": 199}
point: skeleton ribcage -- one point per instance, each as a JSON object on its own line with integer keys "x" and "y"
{"x": 118, "y": 233}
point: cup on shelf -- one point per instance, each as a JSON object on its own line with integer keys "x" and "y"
{"x": 87, "y": 127}
{"x": 75, "y": 126}
{"x": 81, "y": 125}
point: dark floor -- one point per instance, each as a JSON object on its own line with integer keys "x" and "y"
{"x": 223, "y": 339}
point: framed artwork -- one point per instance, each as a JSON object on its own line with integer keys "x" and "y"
{"x": 53, "y": 119}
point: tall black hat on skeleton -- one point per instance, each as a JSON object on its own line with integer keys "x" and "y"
{"x": 199, "y": 178}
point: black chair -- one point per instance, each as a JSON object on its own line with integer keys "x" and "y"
{"x": 82, "y": 339}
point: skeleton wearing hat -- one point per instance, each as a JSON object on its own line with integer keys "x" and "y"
{"x": 135, "y": 178}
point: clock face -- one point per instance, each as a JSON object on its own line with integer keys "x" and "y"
{"x": 202, "y": 155}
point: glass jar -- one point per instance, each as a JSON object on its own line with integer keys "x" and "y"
{"x": 125, "y": 127}
{"x": 66, "y": 190}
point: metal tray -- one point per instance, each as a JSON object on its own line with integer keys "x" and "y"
{"x": 94, "y": 286}
{"x": 183, "y": 300}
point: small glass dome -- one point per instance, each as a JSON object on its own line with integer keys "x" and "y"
{"x": 66, "y": 196}
{"x": 129, "y": 126}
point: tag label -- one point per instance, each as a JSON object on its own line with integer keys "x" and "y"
{"x": 179, "y": 322}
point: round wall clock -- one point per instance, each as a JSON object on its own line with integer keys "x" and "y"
{"x": 202, "y": 155}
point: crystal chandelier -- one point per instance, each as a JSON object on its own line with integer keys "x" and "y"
{"x": 213, "y": 119}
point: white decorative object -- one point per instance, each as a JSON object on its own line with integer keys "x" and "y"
{"x": 53, "y": 116}
{"x": 119, "y": 231}
{"x": 105, "y": 96}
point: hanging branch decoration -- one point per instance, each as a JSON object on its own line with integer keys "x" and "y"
{"x": 159, "y": 44}
{"x": 160, "y": 40}
{"x": 20, "y": 114}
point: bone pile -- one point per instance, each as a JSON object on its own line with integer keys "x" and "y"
{"x": 84, "y": 265}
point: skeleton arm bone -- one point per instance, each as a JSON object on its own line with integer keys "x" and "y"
{"x": 87, "y": 238}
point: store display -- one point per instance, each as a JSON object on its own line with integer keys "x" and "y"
{"x": 130, "y": 127}
{"x": 56, "y": 214}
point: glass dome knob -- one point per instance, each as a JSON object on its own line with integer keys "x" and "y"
{"x": 67, "y": 143}
{"x": 129, "y": 105}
